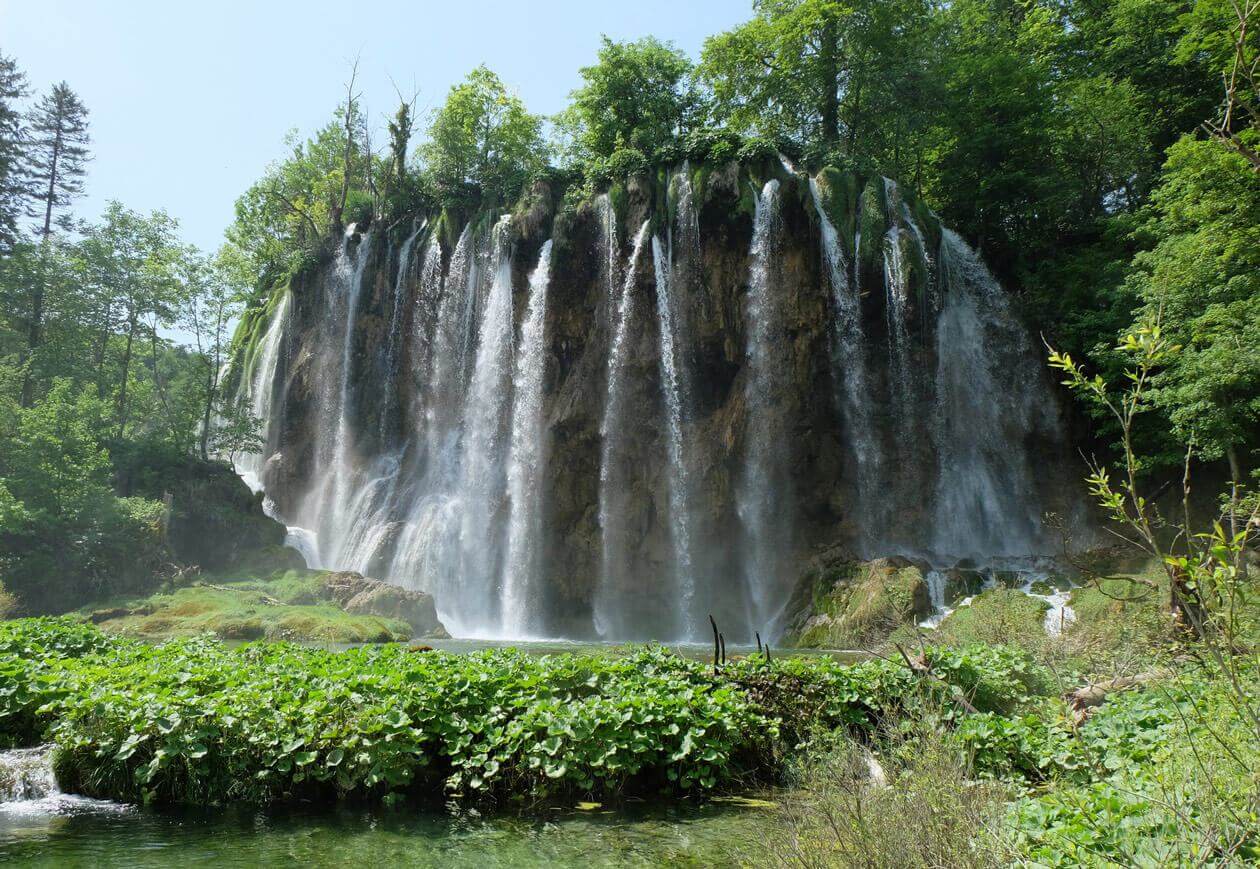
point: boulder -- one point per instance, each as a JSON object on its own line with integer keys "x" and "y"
{"x": 360, "y": 595}
{"x": 846, "y": 604}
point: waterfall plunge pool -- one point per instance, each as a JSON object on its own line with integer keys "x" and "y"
{"x": 64, "y": 831}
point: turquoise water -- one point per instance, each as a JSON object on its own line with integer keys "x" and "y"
{"x": 58, "y": 830}
{"x": 70, "y": 832}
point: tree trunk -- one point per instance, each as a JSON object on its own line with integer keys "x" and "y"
{"x": 830, "y": 80}
{"x": 126, "y": 371}
{"x": 211, "y": 388}
{"x": 34, "y": 335}
{"x": 1183, "y": 601}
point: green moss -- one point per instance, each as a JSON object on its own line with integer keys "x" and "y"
{"x": 619, "y": 200}
{"x": 287, "y": 607}
{"x": 873, "y": 222}
{"x": 999, "y": 616}
{"x": 856, "y": 604}
{"x": 838, "y": 192}
{"x": 248, "y": 337}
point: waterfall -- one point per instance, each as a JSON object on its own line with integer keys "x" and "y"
{"x": 763, "y": 492}
{"x": 336, "y": 508}
{"x": 257, "y": 387}
{"x": 986, "y": 506}
{"x": 424, "y": 325}
{"x": 28, "y": 786}
{"x": 611, "y": 258}
{"x": 614, "y": 546}
{"x": 420, "y": 446}
{"x": 679, "y": 491}
{"x": 849, "y": 360}
{"x": 482, "y": 466}
{"x": 392, "y": 348}
{"x": 936, "y": 583}
{"x": 446, "y": 376}
{"x": 528, "y": 453}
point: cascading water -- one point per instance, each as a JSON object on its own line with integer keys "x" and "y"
{"x": 416, "y": 424}
{"x": 764, "y": 492}
{"x": 393, "y": 348}
{"x": 483, "y": 471}
{"x": 986, "y": 507}
{"x": 849, "y": 358}
{"x": 612, "y": 483}
{"x": 29, "y": 787}
{"x": 679, "y": 485}
{"x": 257, "y": 389}
{"x": 520, "y": 579}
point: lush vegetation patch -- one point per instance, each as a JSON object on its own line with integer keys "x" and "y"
{"x": 194, "y": 721}
{"x": 289, "y": 608}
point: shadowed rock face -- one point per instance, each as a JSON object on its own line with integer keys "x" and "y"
{"x": 889, "y": 439}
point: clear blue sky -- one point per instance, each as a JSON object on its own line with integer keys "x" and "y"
{"x": 190, "y": 101}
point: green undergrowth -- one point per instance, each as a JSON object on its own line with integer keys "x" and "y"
{"x": 286, "y": 606}
{"x": 193, "y": 721}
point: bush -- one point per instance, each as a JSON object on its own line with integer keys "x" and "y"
{"x": 194, "y": 722}
{"x": 359, "y": 208}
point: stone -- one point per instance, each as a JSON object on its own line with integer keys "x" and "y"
{"x": 360, "y": 595}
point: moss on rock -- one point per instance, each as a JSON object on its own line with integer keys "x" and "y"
{"x": 859, "y": 603}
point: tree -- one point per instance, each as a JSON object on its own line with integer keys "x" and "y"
{"x": 1201, "y": 278}
{"x": 213, "y": 299}
{"x": 350, "y": 115}
{"x": 829, "y": 73}
{"x": 12, "y": 151}
{"x": 637, "y": 95}
{"x": 285, "y": 216}
{"x": 1231, "y": 35}
{"x": 56, "y": 465}
{"x": 399, "y": 138}
{"x": 131, "y": 259}
{"x": 238, "y": 431}
{"x": 483, "y": 136}
{"x": 57, "y": 158}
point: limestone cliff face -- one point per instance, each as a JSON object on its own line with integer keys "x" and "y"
{"x": 883, "y": 439}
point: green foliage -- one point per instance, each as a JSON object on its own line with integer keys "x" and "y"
{"x": 192, "y": 721}
{"x": 282, "y": 219}
{"x": 482, "y": 136}
{"x": 63, "y": 533}
{"x": 1163, "y": 776}
{"x": 637, "y": 98}
{"x": 1201, "y": 280}
{"x": 926, "y": 811}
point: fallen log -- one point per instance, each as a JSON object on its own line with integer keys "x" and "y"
{"x": 1085, "y": 699}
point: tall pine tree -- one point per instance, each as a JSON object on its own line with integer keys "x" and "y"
{"x": 57, "y": 157}
{"x": 12, "y": 183}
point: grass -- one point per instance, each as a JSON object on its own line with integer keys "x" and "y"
{"x": 927, "y": 809}
{"x": 285, "y": 607}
